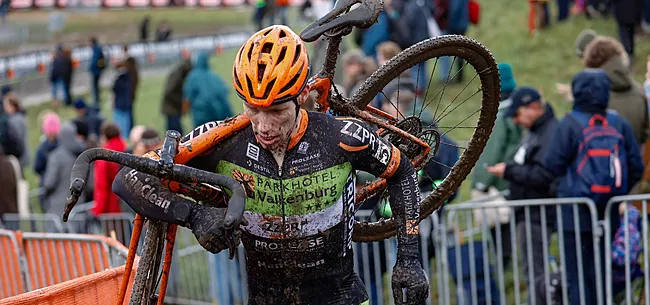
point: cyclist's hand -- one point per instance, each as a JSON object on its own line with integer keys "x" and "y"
{"x": 410, "y": 283}
{"x": 207, "y": 225}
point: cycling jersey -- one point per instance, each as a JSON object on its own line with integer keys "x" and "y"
{"x": 300, "y": 214}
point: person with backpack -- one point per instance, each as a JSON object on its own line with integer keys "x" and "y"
{"x": 595, "y": 151}
{"x": 97, "y": 65}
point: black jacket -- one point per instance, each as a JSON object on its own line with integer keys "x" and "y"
{"x": 529, "y": 179}
{"x": 627, "y": 11}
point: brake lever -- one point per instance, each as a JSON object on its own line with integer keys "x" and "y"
{"x": 233, "y": 238}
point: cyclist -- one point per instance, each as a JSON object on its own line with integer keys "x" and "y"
{"x": 298, "y": 171}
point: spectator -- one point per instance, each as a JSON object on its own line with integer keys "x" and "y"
{"x": 123, "y": 104}
{"x": 105, "y": 200}
{"x": 583, "y": 39}
{"x": 625, "y": 12}
{"x": 97, "y": 65}
{"x": 379, "y": 32}
{"x": 164, "y": 32}
{"x": 618, "y": 248}
{"x": 626, "y": 95}
{"x": 591, "y": 93}
{"x": 149, "y": 141}
{"x": 206, "y": 93}
{"x": 56, "y": 182}
{"x": 260, "y": 12}
{"x": 90, "y": 116}
{"x": 18, "y": 124}
{"x": 9, "y": 182}
{"x": 10, "y": 140}
{"x": 4, "y": 10}
{"x": 172, "y": 103}
{"x": 61, "y": 75}
{"x": 144, "y": 28}
{"x": 135, "y": 136}
{"x": 501, "y": 147}
{"x": 527, "y": 176}
{"x": 281, "y": 6}
{"x": 456, "y": 22}
{"x": 354, "y": 70}
{"x": 50, "y": 126}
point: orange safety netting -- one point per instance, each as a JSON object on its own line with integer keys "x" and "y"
{"x": 96, "y": 288}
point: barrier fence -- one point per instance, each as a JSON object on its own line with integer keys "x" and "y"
{"x": 549, "y": 251}
{"x": 31, "y": 260}
{"x": 23, "y": 67}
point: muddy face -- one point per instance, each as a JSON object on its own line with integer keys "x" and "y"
{"x": 272, "y": 125}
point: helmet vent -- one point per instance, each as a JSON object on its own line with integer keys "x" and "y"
{"x": 296, "y": 55}
{"x": 269, "y": 87}
{"x": 283, "y": 53}
{"x": 250, "y": 53}
{"x": 282, "y": 34}
{"x": 268, "y": 46}
{"x": 260, "y": 71}
{"x": 249, "y": 84}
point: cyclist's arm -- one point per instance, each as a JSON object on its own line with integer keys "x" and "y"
{"x": 150, "y": 197}
{"x": 368, "y": 152}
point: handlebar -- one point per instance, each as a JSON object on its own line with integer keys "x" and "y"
{"x": 163, "y": 168}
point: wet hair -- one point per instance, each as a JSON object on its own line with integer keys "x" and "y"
{"x": 110, "y": 130}
{"x": 600, "y": 50}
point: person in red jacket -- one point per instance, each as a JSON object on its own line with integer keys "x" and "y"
{"x": 105, "y": 200}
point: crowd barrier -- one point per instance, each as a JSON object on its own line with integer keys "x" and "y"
{"x": 15, "y": 69}
{"x": 33, "y": 261}
{"x": 468, "y": 261}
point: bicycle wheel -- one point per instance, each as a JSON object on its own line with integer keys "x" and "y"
{"x": 466, "y": 50}
{"x": 146, "y": 277}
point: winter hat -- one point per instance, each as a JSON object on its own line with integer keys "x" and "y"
{"x": 79, "y": 103}
{"x": 508, "y": 83}
{"x": 51, "y": 124}
{"x": 584, "y": 38}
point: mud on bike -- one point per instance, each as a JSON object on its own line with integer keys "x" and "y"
{"x": 418, "y": 138}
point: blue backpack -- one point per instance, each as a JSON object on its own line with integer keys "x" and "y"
{"x": 600, "y": 167}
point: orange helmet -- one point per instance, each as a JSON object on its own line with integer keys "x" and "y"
{"x": 271, "y": 67}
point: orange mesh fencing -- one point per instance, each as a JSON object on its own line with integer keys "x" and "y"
{"x": 60, "y": 268}
{"x": 12, "y": 280}
{"x": 53, "y": 258}
{"x": 96, "y": 288}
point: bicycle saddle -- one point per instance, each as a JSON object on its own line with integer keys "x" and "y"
{"x": 363, "y": 17}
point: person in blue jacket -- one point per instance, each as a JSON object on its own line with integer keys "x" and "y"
{"x": 97, "y": 65}
{"x": 591, "y": 178}
{"x": 206, "y": 93}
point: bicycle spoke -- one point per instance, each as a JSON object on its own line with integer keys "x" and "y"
{"x": 459, "y": 93}
{"x": 463, "y": 102}
{"x": 391, "y": 102}
{"x": 453, "y": 145}
{"x": 459, "y": 127}
{"x": 426, "y": 92}
{"x": 447, "y": 81}
{"x": 465, "y": 119}
{"x": 439, "y": 163}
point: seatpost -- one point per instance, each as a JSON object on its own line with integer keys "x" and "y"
{"x": 329, "y": 65}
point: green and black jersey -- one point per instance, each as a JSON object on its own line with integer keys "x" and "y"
{"x": 300, "y": 214}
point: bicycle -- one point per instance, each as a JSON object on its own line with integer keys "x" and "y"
{"x": 419, "y": 142}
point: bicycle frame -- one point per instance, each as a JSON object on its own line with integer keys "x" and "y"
{"x": 322, "y": 84}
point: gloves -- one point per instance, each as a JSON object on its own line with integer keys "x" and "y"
{"x": 410, "y": 283}
{"x": 207, "y": 225}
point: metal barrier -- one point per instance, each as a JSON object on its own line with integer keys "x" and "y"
{"x": 35, "y": 260}
{"x": 629, "y": 290}
{"x": 472, "y": 263}
{"x": 33, "y": 223}
{"x": 11, "y": 272}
